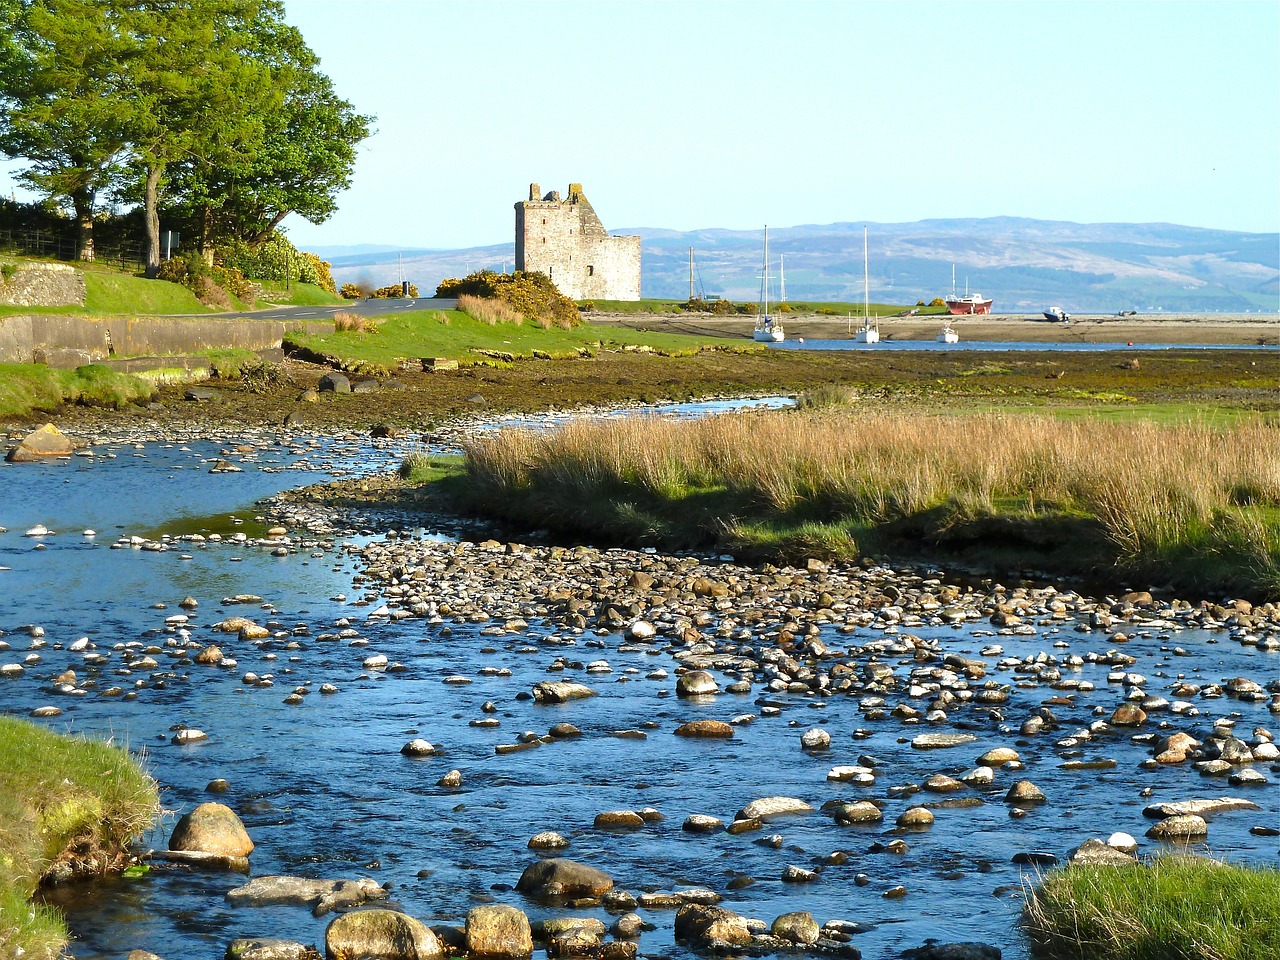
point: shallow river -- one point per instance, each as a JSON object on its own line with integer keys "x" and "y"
{"x": 325, "y": 792}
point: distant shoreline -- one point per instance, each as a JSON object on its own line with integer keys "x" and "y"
{"x": 1225, "y": 328}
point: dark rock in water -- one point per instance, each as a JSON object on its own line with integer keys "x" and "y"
{"x": 211, "y": 828}
{"x": 1034, "y": 858}
{"x": 953, "y": 951}
{"x": 266, "y": 948}
{"x": 42, "y": 444}
{"x": 560, "y": 879}
{"x": 384, "y": 934}
{"x": 555, "y": 691}
{"x": 321, "y": 895}
{"x": 384, "y": 431}
{"x": 698, "y": 924}
{"x": 334, "y": 382}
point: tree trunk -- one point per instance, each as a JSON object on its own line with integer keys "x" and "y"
{"x": 82, "y": 201}
{"x": 262, "y": 236}
{"x": 152, "y": 217}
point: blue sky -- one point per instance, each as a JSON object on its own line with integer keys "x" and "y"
{"x": 735, "y": 114}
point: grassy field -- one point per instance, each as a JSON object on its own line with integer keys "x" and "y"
{"x": 1190, "y": 505}
{"x": 454, "y": 334}
{"x": 60, "y": 799}
{"x": 1175, "y": 908}
{"x": 28, "y": 387}
{"x": 298, "y": 295}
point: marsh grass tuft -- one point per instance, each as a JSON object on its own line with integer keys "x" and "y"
{"x": 347, "y": 322}
{"x": 1175, "y": 907}
{"x": 63, "y": 799}
{"x": 490, "y": 310}
{"x": 1145, "y": 499}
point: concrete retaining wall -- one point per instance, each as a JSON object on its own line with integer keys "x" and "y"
{"x": 71, "y": 341}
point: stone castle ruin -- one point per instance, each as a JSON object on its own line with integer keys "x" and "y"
{"x": 566, "y": 240}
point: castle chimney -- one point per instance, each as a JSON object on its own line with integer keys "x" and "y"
{"x": 535, "y": 192}
{"x": 575, "y": 192}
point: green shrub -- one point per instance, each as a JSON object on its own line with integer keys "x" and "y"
{"x": 937, "y": 302}
{"x": 350, "y": 291}
{"x": 531, "y": 294}
{"x": 393, "y": 291}
{"x": 276, "y": 259}
{"x": 214, "y": 286}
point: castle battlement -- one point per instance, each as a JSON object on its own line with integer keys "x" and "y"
{"x": 565, "y": 239}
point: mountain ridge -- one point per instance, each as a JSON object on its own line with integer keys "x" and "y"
{"x": 1023, "y": 263}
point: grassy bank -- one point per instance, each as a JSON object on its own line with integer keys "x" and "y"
{"x": 453, "y": 334}
{"x": 1191, "y": 505}
{"x": 63, "y": 800}
{"x": 1176, "y": 908}
{"x": 28, "y": 387}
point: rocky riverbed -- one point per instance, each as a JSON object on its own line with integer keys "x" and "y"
{"x": 805, "y": 759}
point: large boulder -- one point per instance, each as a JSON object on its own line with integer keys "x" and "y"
{"x": 321, "y": 895}
{"x": 560, "y": 879}
{"x": 696, "y": 683}
{"x": 380, "y": 935}
{"x": 498, "y": 930}
{"x": 768, "y": 807}
{"x": 705, "y": 730}
{"x": 211, "y": 828}
{"x": 41, "y": 444}
{"x": 267, "y": 948}
{"x": 954, "y": 951}
{"x": 700, "y": 925}
{"x": 334, "y": 383}
{"x": 799, "y": 928}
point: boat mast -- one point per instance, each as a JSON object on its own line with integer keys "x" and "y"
{"x": 691, "y": 274}
{"x": 764, "y": 276}
{"x": 782, "y": 279}
{"x": 866, "y": 283}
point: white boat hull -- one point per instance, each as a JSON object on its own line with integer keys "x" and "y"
{"x": 867, "y": 336}
{"x": 768, "y": 335}
{"x": 948, "y": 336}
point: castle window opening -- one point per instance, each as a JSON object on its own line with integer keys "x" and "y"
{"x": 591, "y": 271}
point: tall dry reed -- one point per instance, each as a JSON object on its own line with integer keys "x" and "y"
{"x": 489, "y": 310}
{"x": 1151, "y": 486}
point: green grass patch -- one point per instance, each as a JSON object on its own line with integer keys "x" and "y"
{"x": 120, "y": 294}
{"x": 1173, "y": 908}
{"x": 298, "y": 294}
{"x": 28, "y": 387}
{"x": 420, "y": 468}
{"x": 453, "y": 334}
{"x": 61, "y": 798}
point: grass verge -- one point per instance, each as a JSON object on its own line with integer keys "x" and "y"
{"x": 64, "y": 801}
{"x": 28, "y": 387}
{"x": 1175, "y": 908}
{"x": 1190, "y": 505}
{"x": 454, "y": 334}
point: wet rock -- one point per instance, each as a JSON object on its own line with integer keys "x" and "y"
{"x": 214, "y": 829}
{"x": 700, "y": 926}
{"x": 381, "y": 934}
{"x": 815, "y": 739}
{"x": 1199, "y": 808}
{"x": 142, "y": 955}
{"x": 451, "y": 780}
{"x": 1128, "y": 715}
{"x": 42, "y": 444}
{"x": 998, "y": 757}
{"x": 560, "y": 691}
{"x": 1024, "y": 791}
{"x": 914, "y": 817}
{"x": 209, "y": 656}
{"x": 217, "y": 786}
{"x": 321, "y": 895}
{"x": 1183, "y": 827}
{"x": 266, "y": 948}
{"x": 798, "y": 928}
{"x": 767, "y": 808}
{"x": 941, "y": 741}
{"x": 560, "y": 879}
{"x": 794, "y": 874}
{"x": 863, "y": 811}
{"x": 941, "y": 783}
{"x": 334, "y": 382}
{"x": 418, "y": 748}
{"x": 705, "y": 730}
{"x": 696, "y": 683}
{"x": 547, "y": 840}
{"x": 1094, "y": 853}
{"x": 701, "y": 823}
{"x": 498, "y": 930}
{"x": 619, "y": 820}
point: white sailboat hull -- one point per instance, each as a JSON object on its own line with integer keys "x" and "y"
{"x": 869, "y": 335}
{"x": 768, "y": 334}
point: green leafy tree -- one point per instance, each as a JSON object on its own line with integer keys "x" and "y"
{"x": 305, "y": 155}
{"x": 63, "y": 107}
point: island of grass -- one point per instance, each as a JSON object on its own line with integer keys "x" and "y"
{"x": 1189, "y": 505}
{"x": 1173, "y": 908}
{"x": 68, "y": 807}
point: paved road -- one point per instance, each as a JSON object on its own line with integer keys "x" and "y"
{"x": 362, "y": 308}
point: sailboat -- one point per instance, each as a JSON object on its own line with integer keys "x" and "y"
{"x": 768, "y": 329}
{"x": 868, "y": 333}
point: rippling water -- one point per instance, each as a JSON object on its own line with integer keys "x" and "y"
{"x": 324, "y": 791}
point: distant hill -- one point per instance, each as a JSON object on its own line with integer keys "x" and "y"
{"x": 1025, "y": 265}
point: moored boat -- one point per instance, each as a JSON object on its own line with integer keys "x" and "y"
{"x": 768, "y": 329}
{"x": 948, "y": 334}
{"x": 1058, "y": 314}
{"x": 969, "y": 304}
{"x": 869, "y": 333}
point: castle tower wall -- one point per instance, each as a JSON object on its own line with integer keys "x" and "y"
{"x": 566, "y": 240}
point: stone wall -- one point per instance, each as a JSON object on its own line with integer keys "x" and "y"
{"x": 566, "y": 240}
{"x": 72, "y": 341}
{"x": 43, "y": 285}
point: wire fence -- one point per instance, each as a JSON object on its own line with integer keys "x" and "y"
{"x": 39, "y": 243}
